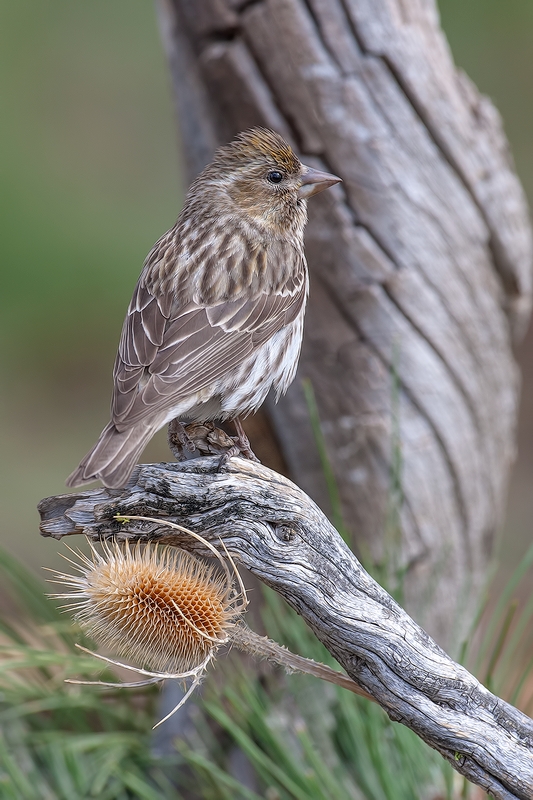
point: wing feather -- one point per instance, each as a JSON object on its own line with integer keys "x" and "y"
{"x": 168, "y": 352}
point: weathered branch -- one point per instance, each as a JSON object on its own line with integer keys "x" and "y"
{"x": 273, "y": 529}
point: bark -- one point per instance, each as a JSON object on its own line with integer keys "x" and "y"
{"x": 271, "y": 527}
{"x": 420, "y": 266}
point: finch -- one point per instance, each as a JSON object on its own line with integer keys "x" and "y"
{"x": 216, "y": 318}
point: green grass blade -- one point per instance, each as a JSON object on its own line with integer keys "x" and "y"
{"x": 222, "y": 778}
{"x": 19, "y": 781}
{"x": 501, "y": 606}
{"x": 327, "y": 469}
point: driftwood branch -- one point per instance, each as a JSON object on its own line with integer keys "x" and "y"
{"x": 273, "y": 529}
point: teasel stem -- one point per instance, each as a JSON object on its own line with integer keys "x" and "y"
{"x": 258, "y": 646}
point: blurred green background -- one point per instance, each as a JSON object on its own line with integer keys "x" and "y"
{"x": 89, "y": 180}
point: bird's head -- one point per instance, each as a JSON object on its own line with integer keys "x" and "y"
{"x": 262, "y": 176}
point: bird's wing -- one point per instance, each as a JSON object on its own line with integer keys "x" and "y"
{"x": 168, "y": 353}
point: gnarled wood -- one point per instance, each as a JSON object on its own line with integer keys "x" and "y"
{"x": 271, "y": 527}
{"x": 420, "y": 262}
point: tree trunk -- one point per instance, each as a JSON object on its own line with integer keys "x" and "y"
{"x": 420, "y": 266}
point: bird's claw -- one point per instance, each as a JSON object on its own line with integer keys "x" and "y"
{"x": 207, "y": 439}
{"x": 179, "y": 440}
{"x": 241, "y": 447}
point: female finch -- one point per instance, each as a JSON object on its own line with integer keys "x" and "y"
{"x": 216, "y": 318}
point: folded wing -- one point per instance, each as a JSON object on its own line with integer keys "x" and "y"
{"x": 172, "y": 350}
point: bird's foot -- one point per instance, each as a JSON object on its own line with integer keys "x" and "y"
{"x": 209, "y": 439}
{"x": 243, "y": 443}
{"x": 179, "y": 440}
{"x": 241, "y": 446}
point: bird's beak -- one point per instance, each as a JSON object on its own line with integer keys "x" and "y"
{"x": 315, "y": 181}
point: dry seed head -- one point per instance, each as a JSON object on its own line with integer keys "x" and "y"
{"x": 170, "y": 611}
{"x": 159, "y": 607}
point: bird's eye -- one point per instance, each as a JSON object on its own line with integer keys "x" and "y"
{"x": 275, "y": 176}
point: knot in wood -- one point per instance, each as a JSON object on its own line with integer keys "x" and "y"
{"x": 284, "y": 532}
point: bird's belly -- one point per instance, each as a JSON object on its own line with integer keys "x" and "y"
{"x": 273, "y": 365}
{"x": 244, "y": 389}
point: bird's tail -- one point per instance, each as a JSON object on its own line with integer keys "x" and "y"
{"x": 113, "y": 457}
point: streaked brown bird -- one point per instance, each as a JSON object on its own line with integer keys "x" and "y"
{"x": 216, "y": 318}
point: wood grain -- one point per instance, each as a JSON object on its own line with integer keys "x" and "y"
{"x": 274, "y": 530}
{"x": 420, "y": 262}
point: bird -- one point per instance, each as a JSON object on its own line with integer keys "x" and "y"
{"x": 216, "y": 317}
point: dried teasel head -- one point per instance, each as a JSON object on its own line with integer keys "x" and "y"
{"x": 160, "y": 607}
{"x": 166, "y": 610}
